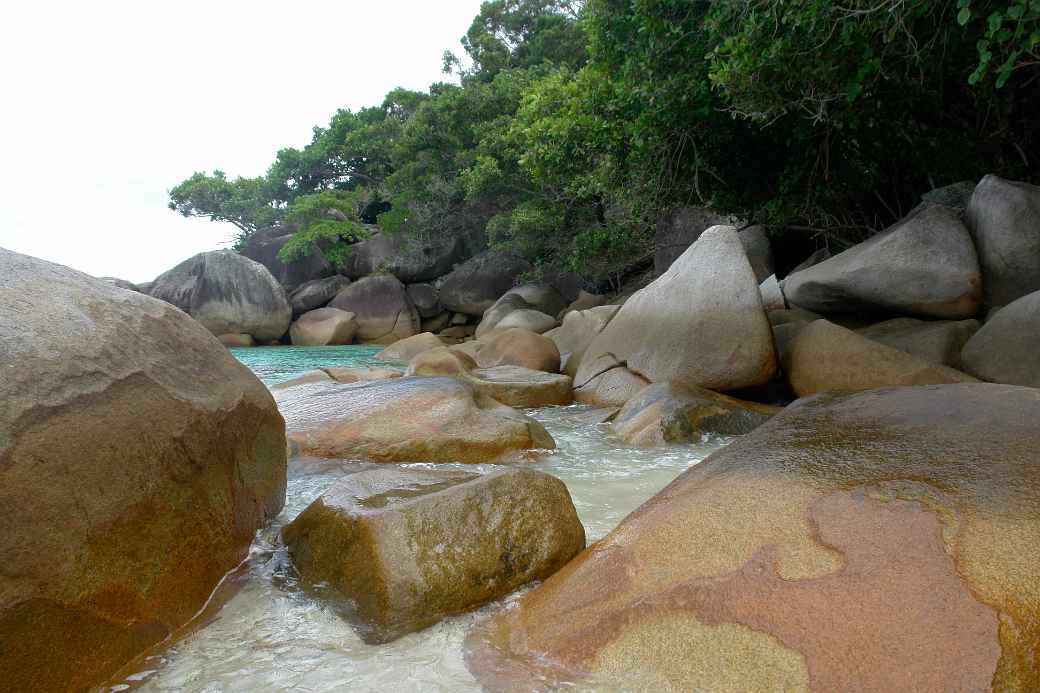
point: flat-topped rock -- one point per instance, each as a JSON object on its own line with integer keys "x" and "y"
{"x": 405, "y": 548}
{"x": 417, "y": 419}
{"x": 522, "y": 387}
{"x": 878, "y": 541}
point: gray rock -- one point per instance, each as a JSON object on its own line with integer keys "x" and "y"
{"x": 759, "y": 251}
{"x": 772, "y": 294}
{"x": 436, "y": 323}
{"x": 821, "y": 255}
{"x": 407, "y": 257}
{"x": 263, "y": 247}
{"x": 527, "y": 319}
{"x": 427, "y": 300}
{"x": 121, "y": 283}
{"x": 541, "y": 297}
{"x": 925, "y": 266}
{"x": 1004, "y": 218}
{"x": 1007, "y": 348}
{"x": 382, "y": 308}
{"x": 937, "y": 341}
{"x": 476, "y": 284}
{"x": 701, "y": 323}
{"x": 955, "y": 196}
{"x": 316, "y": 293}
{"x": 498, "y": 312}
{"x": 584, "y": 301}
{"x": 678, "y": 228}
{"x": 229, "y": 294}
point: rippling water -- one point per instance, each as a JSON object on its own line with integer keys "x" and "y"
{"x": 266, "y": 634}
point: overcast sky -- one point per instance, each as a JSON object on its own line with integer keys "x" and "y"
{"x": 107, "y": 105}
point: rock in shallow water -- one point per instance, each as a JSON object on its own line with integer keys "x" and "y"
{"x": 137, "y": 459}
{"x": 408, "y": 547}
{"x": 877, "y": 541}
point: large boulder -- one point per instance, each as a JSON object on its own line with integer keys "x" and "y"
{"x": 382, "y": 308}
{"x": 1004, "y": 218}
{"x": 701, "y": 323}
{"x": 541, "y": 297}
{"x": 137, "y": 460}
{"x": 510, "y": 385}
{"x": 879, "y": 541}
{"x": 228, "y": 293}
{"x": 406, "y": 420}
{"x": 665, "y": 413}
{"x": 406, "y": 349}
{"x": 427, "y": 300}
{"x": 936, "y": 341}
{"x": 517, "y": 347}
{"x": 407, "y": 257}
{"x": 578, "y": 330}
{"x": 498, "y": 312}
{"x": 475, "y": 285}
{"x": 925, "y": 265}
{"x": 316, "y": 293}
{"x": 530, "y": 297}
{"x": 584, "y": 301}
{"x": 408, "y": 547}
{"x": 1007, "y": 348}
{"x": 324, "y": 327}
{"x": 823, "y": 356}
{"x": 263, "y": 247}
{"x": 678, "y": 229}
{"x": 530, "y": 320}
{"x": 759, "y": 251}
{"x": 611, "y": 389}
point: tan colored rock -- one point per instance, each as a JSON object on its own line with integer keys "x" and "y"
{"x": 612, "y": 388}
{"x": 496, "y": 313}
{"x": 382, "y": 307}
{"x": 530, "y": 320}
{"x": 700, "y": 323}
{"x": 522, "y": 387}
{"x": 877, "y": 541}
{"x": 782, "y": 317}
{"x": 578, "y": 330}
{"x": 585, "y": 301}
{"x": 324, "y": 327}
{"x": 772, "y": 294}
{"x": 409, "y": 547}
{"x": 137, "y": 460}
{"x": 516, "y": 347}
{"x": 406, "y": 420}
{"x": 665, "y": 413}
{"x": 236, "y": 340}
{"x": 824, "y": 356}
{"x": 441, "y": 361}
{"x": 317, "y": 375}
{"x": 361, "y": 373}
{"x": 436, "y": 323}
{"x": 458, "y": 333}
{"x": 406, "y": 349}
{"x": 935, "y": 341}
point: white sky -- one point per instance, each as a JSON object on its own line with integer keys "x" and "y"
{"x": 107, "y": 105}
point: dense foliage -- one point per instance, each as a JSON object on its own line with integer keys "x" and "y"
{"x": 571, "y": 126}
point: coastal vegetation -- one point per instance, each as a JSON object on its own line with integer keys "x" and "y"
{"x": 568, "y": 127}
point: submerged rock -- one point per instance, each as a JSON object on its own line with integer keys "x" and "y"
{"x": 408, "y": 547}
{"x": 324, "y": 327}
{"x": 673, "y": 413}
{"x": 701, "y": 323}
{"x": 137, "y": 460}
{"x": 1007, "y": 348}
{"x": 382, "y": 308}
{"x": 1004, "y": 218}
{"x": 406, "y": 420}
{"x": 878, "y": 541}
{"x": 228, "y": 293}
{"x": 823, "y": 356}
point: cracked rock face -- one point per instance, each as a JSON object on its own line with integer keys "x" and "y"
{"x": 137, "y": 460}
{"x": 382, "y": 308}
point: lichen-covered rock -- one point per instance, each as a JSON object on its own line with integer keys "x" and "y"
{"x": 530, "y": 320}
{"x": 517, "y": 347}
{"x": 316, "y": 293}
{"x": 701, "y": 323}
{"x": 406, "y": 420}
{"x": 925, "y": 265}
{"x": 578, "y": 330}
{"x": 1004, "y": 218}
{"x": 665, "y": 413}
{"x": 611, "y": 389}
{"x": 937, "y": 341}
{"x": 878, "y": 541}
{"x": 324, "y": 327}
{"x": 408, "y": 348}
{"x": 228, "y": 293}
{"x": 476, "y": 284}
{"x": 407, "y": 547}
{"x": 137, "y": 460}
{"x": 823, "y": 356}
{"x": 382, "y": 308}
{"x": 407, "y": 257}
{"x": 1007, "y": 348}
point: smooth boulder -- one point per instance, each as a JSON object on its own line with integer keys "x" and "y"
{"x": 426, "y": 299}
{"x": 382, "y": 308}
{"x": 324, "y": 327}
{"x": 137, "y": 460}
{"x": 923, "y": 266}
{"x": 530, "y": 320}
{"x": 578, "y": 330}
{"x": 510, "y": 385}
{"x": 475, "y": 285}
{"x": 878, "y": 541}
{"x": 518, "y": 347}
{"x": 667, "y": 413}
{"x": 316, "y": 293}
{"x": 701, "y": 323}
{"x": 228, "y": 293}
{"x": 584, "y": 301}
{"x": 611, "y": 389}
{"x": 405, "y": 548}
{"x": 499, "y": 311}
{"x": 415, "y": 419}
{"x": 937, "y": 341}
{"x": 407, "y": 257}
{"x": 1004, "y": 217}
{"x": 823, "y": 356}
{"x": 407, "y": 349}
{"x": 1007, "y": 348}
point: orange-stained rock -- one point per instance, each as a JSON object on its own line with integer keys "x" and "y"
{"x": 408, "y": 547}
{"x": 137, "y": 460}
{"x": 873, "y": 541}
{"x": 516, "y": 347}
{"x": 415, "y": 419}
{"x": 409, "y": 347}
{"x": 611, "y": 389}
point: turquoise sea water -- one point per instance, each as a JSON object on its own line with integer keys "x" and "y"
{"x": 278, "y": 364}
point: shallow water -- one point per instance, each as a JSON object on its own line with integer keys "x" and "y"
{"x": 269, "y": 635}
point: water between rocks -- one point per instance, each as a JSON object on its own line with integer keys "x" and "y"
{"x": 263, "y": 633}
